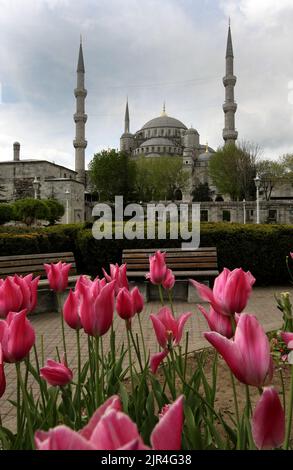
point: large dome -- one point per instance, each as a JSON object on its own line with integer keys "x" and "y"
{"x": 164, "y": 121}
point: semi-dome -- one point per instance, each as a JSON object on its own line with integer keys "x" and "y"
{"x": 158, "y": 141}
{"x": 191, "y": 131}
{"x": 204, "y": 157}
{"x": 164, "y": 121}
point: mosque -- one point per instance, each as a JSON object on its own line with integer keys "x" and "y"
{"x": 166, "y": 135}
{"x": 163, "y": 135}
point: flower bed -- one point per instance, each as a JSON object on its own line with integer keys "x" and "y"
{"x": 169, "y": 402}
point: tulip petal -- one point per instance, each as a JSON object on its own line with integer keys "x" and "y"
{"x": 268, "y": 421}
{"x": 156, "y": 360}
{"x": 61, "y": 438}
{"x": 114, "y": 430}
{"x": 160, "y": 330}
{"x": 167, "y": 433}
{"x": 181, "y": 322}
{"x": 230, "y": 352}
{"x": 112, "y": 403}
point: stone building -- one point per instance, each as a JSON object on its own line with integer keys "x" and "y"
{"x": 166, "y": 135}
{"x": 21, "y": 178}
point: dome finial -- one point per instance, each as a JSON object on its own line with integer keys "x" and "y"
{"x": 164, "y": 109}
{"x": 207, "y": 147}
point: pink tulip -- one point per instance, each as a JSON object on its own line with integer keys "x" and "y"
{"x": 56, "y": 373}
{"x": 71, "y": 310}
{"x": 288, "y": 339}
{"x": 248, "y": 355}
{"x": 217, "y": 322}
{"x": 168, "y": 331}
{"x": 169, "y": 281}
{"x": 85, "y": 292}
{"x": 158, "y": 268}
{"x": 119, "y": 275}
{"x": 110, "y": 429}
{"x": 124, "y": 304}
{"x": 17, "y": 336}
{"x": 96, "y": 313}
{"x": 268, "y": 421}
{"x": 167, "y": 433}
{"x": 29, "y": 289}
{"x": 167, "y": 328}
{"x": 230, "y": 293}
{"x": 57, "y": 275}
{"x": 137, "y": 299}
{"x": 2, "y": 374}
{"x": 93, "y": 287}
{"x": 11, "y": 297}
{"x": 291, "y": 254}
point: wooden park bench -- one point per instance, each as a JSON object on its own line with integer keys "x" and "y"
{"x": 26, "y": 264}
{"x": 200, "y": 264}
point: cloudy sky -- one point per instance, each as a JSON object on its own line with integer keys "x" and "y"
{"x": 150, "y": 50}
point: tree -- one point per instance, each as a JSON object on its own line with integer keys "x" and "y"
{"x": 157, "y": 178}
{"x": 270, "y": 173}
{"x": 233, "y": 169}
{"x": 55, "y": 210}
{"x": 287, "y": 162}
{"x": 29, "y": 210}
{"x": 113, "y": 174}
{"x": 6, "y": 213}
{"x": 201, "y": 193}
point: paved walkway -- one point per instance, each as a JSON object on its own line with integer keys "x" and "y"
{"x": 262, "y": 304}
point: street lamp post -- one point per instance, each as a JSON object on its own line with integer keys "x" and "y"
{"x": 257, "y": 182}
{"x": 244, "y": 211}
{"x": 36, "y": 185}
{"x": 67, "y": 193}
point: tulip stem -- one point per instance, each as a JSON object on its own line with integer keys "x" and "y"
{"x": 25, "y": 401}
{"x": 136, "y": 349}
{"x": 40, "y": 380}
{"x": 248, "y": 413}
{"x": 102, "y": 375}
{"x": 97, "y": 370}
{"x": 62, "y": 324}
{"x": 236, "y": 410}
{"x": 92, "y": 375}
{"x": 290, "y": 410}
{"x": 130, "y": 360}
{"x": 171, "y": 300}
{"x": 283, "y": 389}
{"x": 142, "y": 338}
{"x": 79, "y": 378}
{"x": 161, "y": 294}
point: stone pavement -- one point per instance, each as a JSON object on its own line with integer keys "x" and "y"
{"x": 262, "y": 304}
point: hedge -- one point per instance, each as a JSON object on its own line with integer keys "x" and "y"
{"x": 262, "y": 249}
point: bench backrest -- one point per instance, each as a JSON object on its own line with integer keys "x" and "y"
{"x": 200, "y": 259}
{"x": 25, "y": 264}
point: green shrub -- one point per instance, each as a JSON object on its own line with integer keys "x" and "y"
{"x": 6, "y": 213}
{"x": 262, "y": 249}
{"x": 29, "y": 210}
{"x": 55, "y": 210}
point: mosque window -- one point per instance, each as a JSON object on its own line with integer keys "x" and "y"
{"x": 162, "y": 131}
{"x": 169, "y": 131}
{"x": 164, "y": 149}
{"x": 155, "y": 132}
{"x": 170, "y": 149}
{"x": 153, "y": 149}
{"x": 159, "y": 149}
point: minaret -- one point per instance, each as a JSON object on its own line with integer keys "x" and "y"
{"x": 126, "y": 121}
{"x": 80, "y": 119}
{"x": 229, "y": 107}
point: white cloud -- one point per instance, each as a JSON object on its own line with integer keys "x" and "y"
{"x": 153, "y": 51}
